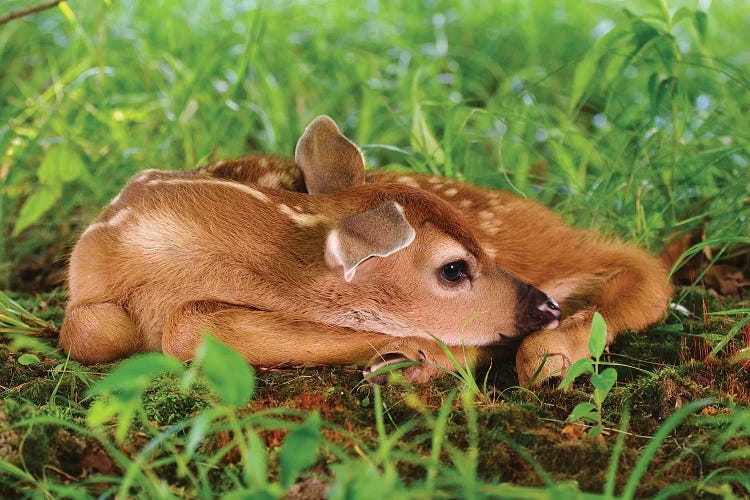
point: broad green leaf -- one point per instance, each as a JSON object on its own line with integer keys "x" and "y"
{"x": 595, "y": 431}
{"x": 120, "y": 392}
{"x": 99, "y": 412}
{"x": 643, "y": 32}
{"x": 423, "y": 140}
{"x": 28, "y": 359}
{"x": 653, "y": 84}
{"x": 257, "y": 459}
{"x": 661, "y": 7}
{"x": 37, "y": 205}
{"x": 21, "y": 341}
{"x": 598, "y": 338}
{"x": 107, "y": 407}
{"x": 198, "y": 431}
{"x": 665, "y": 47}
{"x": 577, "y": 369}
{"x": 603, "y": 383}
{"x": 586, "y": 72}
{"x": 362, "y": 479}
{"x": 226, "y": 371}
{"x": 680, "y": 14}
{"x": 664, "y": 89}
{"x": 583, "y": 410}
{"x": 299, "y": 450}
{"x": 701, "y": 24}
{"x": 133, "y": 375}
{"x": 60, "y": 164}
{"x": 616, "y": 64}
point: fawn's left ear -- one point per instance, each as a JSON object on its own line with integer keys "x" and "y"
{"x": 329, "y": 161}
{"x": 379, "y": 232}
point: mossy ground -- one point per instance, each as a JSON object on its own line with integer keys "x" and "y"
{"x": 520, "y": 431}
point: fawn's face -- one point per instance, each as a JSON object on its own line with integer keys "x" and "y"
{"x": 436, "y": 286}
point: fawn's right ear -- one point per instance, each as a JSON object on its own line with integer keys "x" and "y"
{"x": 375, "y": 233}
{"x": 329, "y": 161}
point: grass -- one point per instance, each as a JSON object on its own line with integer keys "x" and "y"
{"x": 641, "y": 132}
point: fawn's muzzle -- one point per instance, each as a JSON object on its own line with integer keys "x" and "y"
{"x": 535, "y": 310}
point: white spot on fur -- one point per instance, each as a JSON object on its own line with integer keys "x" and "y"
{"x": 450, "y": 192}
{"x": 158, "y": 233}
{"x": 216, "y": 182}
{"x": 306, "y": 220}
{"x": 271, "y": 179}
{"x": 490, "y": 229}
{"x": 113, "y": 221}
{"x": 486, "y": 215}
{"x": 491, "y": 251}
{"x": 119, "y": 217}
{"x": 286, "y": 210}
{"x": 301, "y": 219}
{"x": 146, "y": 174}
{"x": 435, "y": 180}
{"x": 465, "y": 203}
{"x": 409, "y": 181}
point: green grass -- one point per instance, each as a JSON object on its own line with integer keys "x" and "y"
{"x": 642, "y": 132}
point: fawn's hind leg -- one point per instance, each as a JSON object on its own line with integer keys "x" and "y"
{"x": 278, "y": 339}
{"x": 634, "y": 297}
{"x": 99, "y": 333}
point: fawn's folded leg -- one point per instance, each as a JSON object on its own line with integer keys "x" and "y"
{"x": 277, "y": 339}
{"x": 632, "y": 298}
{"x": 99, "y": 333}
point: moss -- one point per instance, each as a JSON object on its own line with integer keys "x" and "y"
{"x": 165, "y": 402}
{"x": 36, "y": 447}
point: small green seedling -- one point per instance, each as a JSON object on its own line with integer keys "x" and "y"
{"x": 603, "y": 381}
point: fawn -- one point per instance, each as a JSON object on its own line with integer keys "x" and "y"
{"x": 319, "y": 262}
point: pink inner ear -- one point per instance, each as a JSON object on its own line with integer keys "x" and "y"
{"x": 378, "y": 232}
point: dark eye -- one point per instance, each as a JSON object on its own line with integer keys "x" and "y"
{"x": 454, "y": 271}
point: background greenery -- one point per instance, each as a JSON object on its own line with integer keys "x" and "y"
{"x": 627, "y": 116}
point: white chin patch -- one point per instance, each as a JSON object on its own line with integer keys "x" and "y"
{"x": 552, "y": 324}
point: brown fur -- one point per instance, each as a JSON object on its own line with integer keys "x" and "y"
{"x": 175, "y": 254}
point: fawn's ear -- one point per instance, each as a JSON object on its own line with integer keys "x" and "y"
{"x": 376, "y": 233}
{"x": 329, "y": 161}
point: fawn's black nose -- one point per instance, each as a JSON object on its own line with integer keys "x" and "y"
{"x": 536, "y": 310}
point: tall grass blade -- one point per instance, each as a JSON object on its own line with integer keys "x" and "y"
{"x": 661, "y": 435}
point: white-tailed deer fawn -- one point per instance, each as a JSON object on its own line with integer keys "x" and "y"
{"x": 318, "y": 262}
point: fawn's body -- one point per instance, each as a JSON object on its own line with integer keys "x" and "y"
{"x": 239, "y": 249}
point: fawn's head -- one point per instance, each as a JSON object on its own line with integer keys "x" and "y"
{"x": 407, "y": 262}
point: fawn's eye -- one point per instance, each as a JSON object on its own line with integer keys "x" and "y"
{"x": 454, "y": 271}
